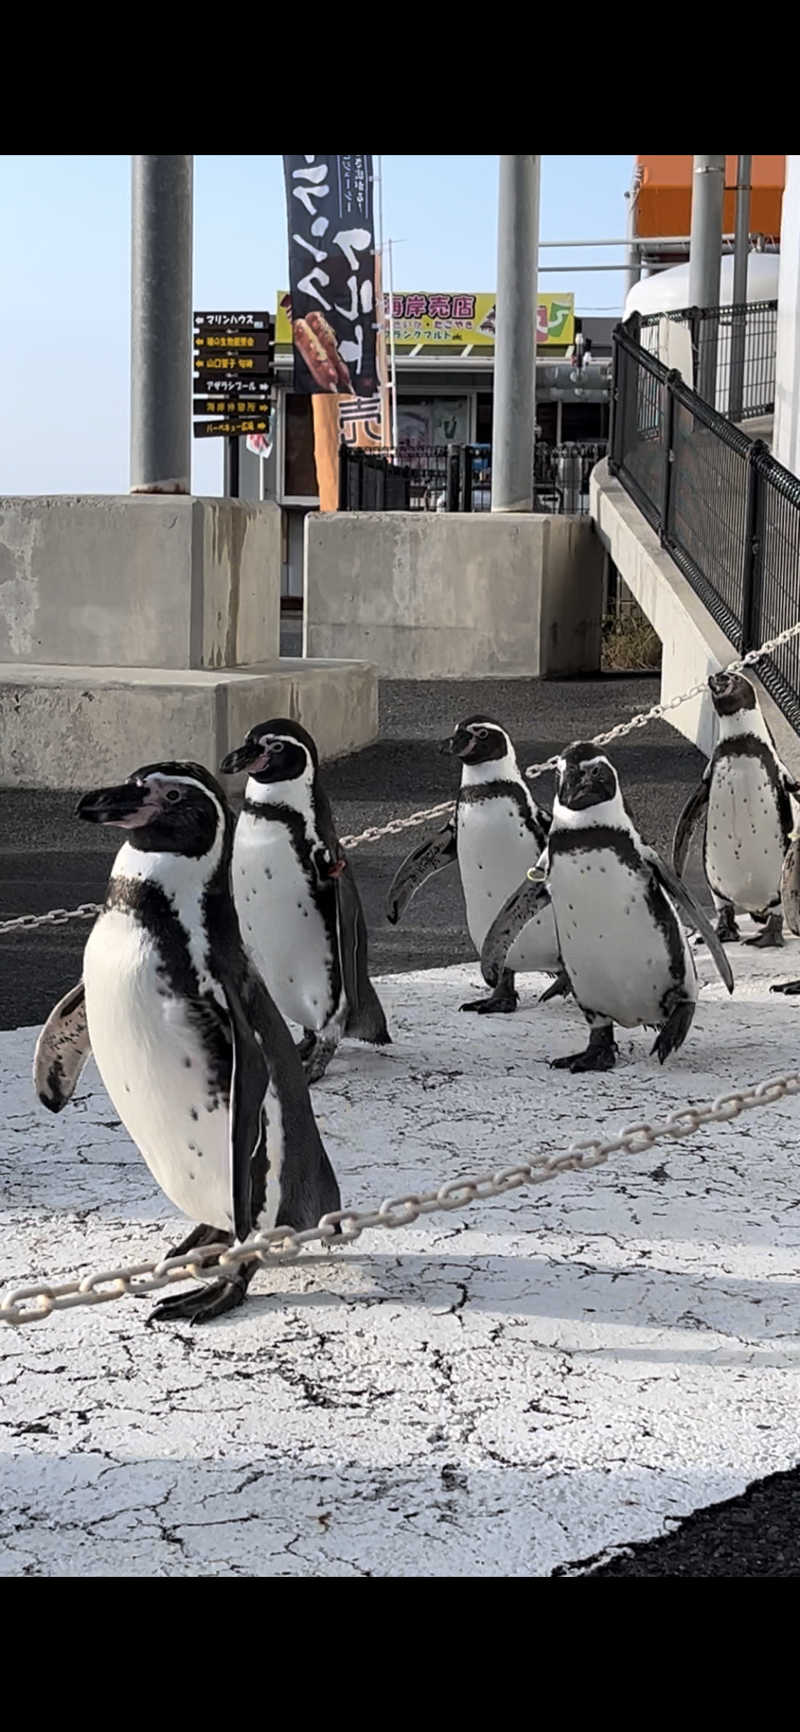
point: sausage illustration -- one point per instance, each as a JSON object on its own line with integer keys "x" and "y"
{"x": 322, "y": 331}
{"x": 315, "y": 356}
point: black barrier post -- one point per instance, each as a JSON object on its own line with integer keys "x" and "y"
{"x": 751, "y": 547}
{"x": 667, "y": 424}
{"x": 451, "y": 500}
{"x": 615, "y": 420}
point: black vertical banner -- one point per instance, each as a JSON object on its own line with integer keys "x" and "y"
{"x": 332, "y": 274}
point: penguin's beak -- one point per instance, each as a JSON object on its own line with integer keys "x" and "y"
{"x": 459, "y": 745}
{"x": 250, "y": 756}
{"x": 130, "y": 805}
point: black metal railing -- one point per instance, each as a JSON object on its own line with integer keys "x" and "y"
{"x": 459, "y": 477}
{"x": 730, "y": 353}
{"x": 724, "y": 509}
{"x": 371, "y": 483}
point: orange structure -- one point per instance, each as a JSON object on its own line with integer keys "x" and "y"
{"x": 664, "y": 205}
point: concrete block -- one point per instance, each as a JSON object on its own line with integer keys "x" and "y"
{"x": 83, "y": 726}
{"x": 693, "y": 644}
{"x": 139, "y": 581}
{"x": 441, "y": 596}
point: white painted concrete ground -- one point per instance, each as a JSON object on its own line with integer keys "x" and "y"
{"x": 486, "y": 1394}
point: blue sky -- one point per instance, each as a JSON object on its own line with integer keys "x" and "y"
{"x": 65, "y": 280}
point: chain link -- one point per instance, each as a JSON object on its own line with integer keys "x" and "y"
{"x": 56, "y": 917}
{"x": 396, "y": 826}
{"x": 32, "y": 1303}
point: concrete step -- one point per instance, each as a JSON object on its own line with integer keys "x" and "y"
{"x": 71, "y": 727}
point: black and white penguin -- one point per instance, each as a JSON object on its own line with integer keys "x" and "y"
{"x": 198, "y": 1063}
{"x": 745, "y": 795}
{"x": 616, "y": 913}
{"x": 297, "y": 898}
{"x": 790, "y": 902}
{"x": 498, "y": 831}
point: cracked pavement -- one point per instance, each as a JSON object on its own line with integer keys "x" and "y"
{"x": 510, "y": 1390}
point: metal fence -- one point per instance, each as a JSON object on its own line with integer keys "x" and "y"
{"x": 371, "y": 483}
{"x": 729, "y": 353}
{"x": 724, "y": 509}
{"x": 459, "y": 477}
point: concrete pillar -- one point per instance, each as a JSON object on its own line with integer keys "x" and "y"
{"x": 161, "y": 324}
{"x": 633, "y": 264}
{"x": 705, "y": 261}
{"x": 786, "y": 439}
{"x": 515, "y": 336}
{"x": 741, "y": 249}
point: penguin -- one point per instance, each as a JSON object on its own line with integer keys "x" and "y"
{"x": 296, "y": 896}
{"x": 616, "y": 913}
{"x": 195, "y": 1057}
{"x": 790, "y": 902}
{"x": 745, "y": 794}
{"x": 497, "y": 831}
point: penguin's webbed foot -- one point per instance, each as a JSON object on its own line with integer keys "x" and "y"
{"x": 501, "y": 1002}
{"x": 790, "y": 988}
{"x": 202, "y": 1304}
{"x": 771, "y": 935}
{"x": 558, "y": 988}
{"x": 727, "y": 929}
{"x": 597, "y": 1058}
{"x": 201, "y": 1235}
{"x": 600, "y": 1054}
{"x": 305, "y": 1047}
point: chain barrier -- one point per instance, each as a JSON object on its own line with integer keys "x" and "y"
{"x": 32, "y": 1303}
{"x": 396, "y": 826}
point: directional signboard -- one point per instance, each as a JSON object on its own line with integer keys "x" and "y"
{"x": 238, "y": 428}
{"x": 234, "y": 362}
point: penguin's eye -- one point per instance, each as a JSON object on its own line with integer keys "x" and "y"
{"x": 483, "y": 733}
{"x": 173, "y": 795}
{"x": 277, "y": 747}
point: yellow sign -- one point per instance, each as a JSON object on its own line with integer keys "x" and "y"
{"x": 455, "y": 321}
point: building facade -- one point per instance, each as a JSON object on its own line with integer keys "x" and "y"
{"x": 444, "y": 366}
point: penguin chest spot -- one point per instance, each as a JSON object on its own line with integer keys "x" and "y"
{"x": 621, "y": 956}
{"x": 744, "y": 839}
{"x": 164, "y": 1079}
{"x": 495, "y": 849}
{"x": 288, "y": 924}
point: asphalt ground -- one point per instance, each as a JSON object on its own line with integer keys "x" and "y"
{"x": 50, "y": 860}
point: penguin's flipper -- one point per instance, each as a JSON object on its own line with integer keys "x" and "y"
{"x": 62, "y": 1050}
{"x": 524, "y": 903}
{"x": 365, "y": 1019}
{"x": 694, "y": 916}
{"x": 687, "y": 824}
{"x": 308, "y": 1184}
{"x": 419, "y": 865}
{"x": 241, "y": 1065}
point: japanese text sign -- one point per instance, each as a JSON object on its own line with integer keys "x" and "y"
{"x": 332, "y": 269}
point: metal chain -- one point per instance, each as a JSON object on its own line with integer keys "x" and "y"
{"x": 656, "y": 711}
{"x": 56, "y": 917}
{"x": 31, "y": 1303}
{"x": 395, "y": 826}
